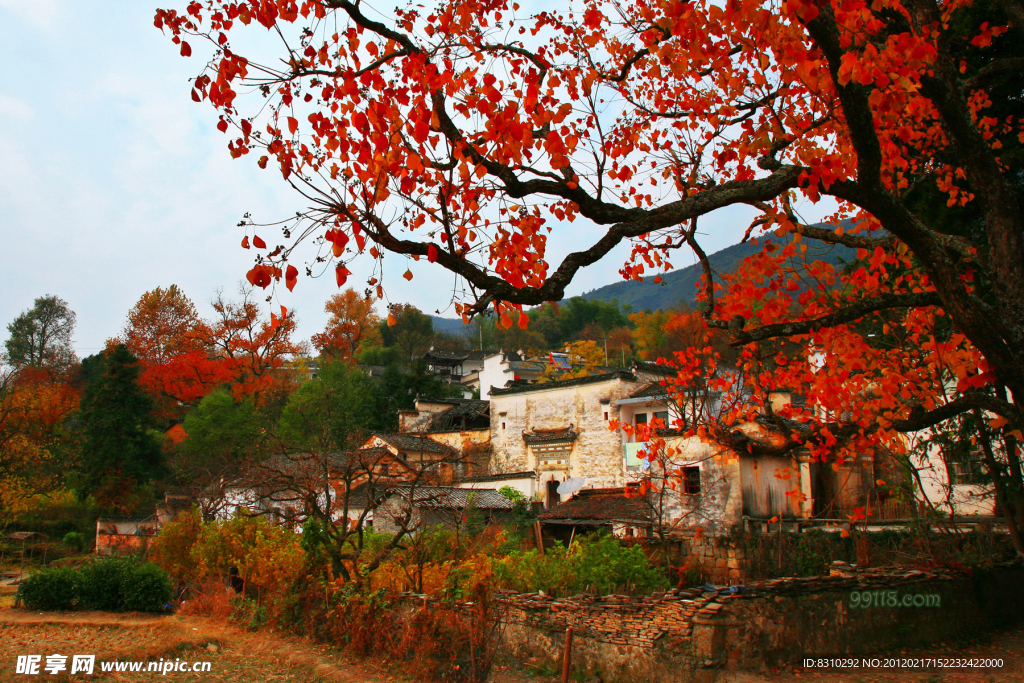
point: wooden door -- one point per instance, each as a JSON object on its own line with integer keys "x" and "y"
{"x": 764, "y": 494}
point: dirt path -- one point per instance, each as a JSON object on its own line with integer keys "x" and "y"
{"x": 235, "y": 655}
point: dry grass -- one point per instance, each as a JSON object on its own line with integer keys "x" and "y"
{"x": 236, "y": 656}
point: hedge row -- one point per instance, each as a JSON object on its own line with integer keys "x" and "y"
{"x": 112, "y": 584}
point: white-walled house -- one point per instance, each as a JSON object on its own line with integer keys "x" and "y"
{"x": 560, "y": 430}
{"x": 960, "y": 487}
{"x": 500, "y": 368}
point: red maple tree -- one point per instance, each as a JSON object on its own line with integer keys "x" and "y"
{"x": 465, "y": 134}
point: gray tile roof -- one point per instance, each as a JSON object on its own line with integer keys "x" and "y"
{"x": 451, "y": 498}
{"x": 600, "y": 505}
{"x": 544, "y": 386}
{"x": 408, "y": 442}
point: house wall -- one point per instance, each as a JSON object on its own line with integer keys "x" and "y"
{"x": 493, "y": 374}
{"x": 124, "y": 536}
{"x": 414, "y": 421}
{"x": 473, "y": 446}
{"x": 958, "y": 499}
{"x": 719, "y": 505}
{"x": 597, "y": 454}
{"x": 528, "y": 486}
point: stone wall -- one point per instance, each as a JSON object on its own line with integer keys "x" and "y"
{"x": 723, "y": 559}
{"x": 688, "y": 635}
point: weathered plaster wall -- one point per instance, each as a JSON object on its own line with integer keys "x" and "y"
{"x": 718, "y": 508}
{"x": 597, "y": 454}
{"x": 473, "y": 447}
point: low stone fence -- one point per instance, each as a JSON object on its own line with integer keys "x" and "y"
{"x": 689, "y": 635}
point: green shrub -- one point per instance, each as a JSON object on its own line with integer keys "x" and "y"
{"x": 112, "y": 584}
{"x": 145, "y": 588}
{"x": 53, "y": 588}
{"x": 593, "y": 562}
{"x": 101, "y": 584}
{"x": 74, "y": 541}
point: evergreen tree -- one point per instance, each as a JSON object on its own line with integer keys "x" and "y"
{"x": 119, "y": 454}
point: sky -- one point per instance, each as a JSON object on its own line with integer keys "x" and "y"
{"x": 113, "y": 182}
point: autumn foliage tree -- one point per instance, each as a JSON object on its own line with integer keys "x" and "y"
{"x": 465, "y": 134}
{"x": 253, "y": 349}
{"x": 34, "y": 409}
{"x": 172, "y": 344}
{"x": 352, "y": 325}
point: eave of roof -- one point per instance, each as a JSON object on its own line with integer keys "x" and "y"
{"x": 599, "y": 505}
{"x": 561, "y": 384}
{"x": 526, "y": 474}
{"x": 408, "y": 442}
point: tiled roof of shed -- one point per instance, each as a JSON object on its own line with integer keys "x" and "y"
{"x": 408, "y": 442}
{"x": 451, "y": 498}
{"x": 600, "y": 505}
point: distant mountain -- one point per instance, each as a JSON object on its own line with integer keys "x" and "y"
{"x": 681, "y": 285}
{"x": 453, "y": 326}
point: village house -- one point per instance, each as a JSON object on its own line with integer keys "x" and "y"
{"x": 958, "y": 486}
{"x": 560, "y": 430}
{"x": 431, "y": 506}
{"x": 458, "y": 367}
{"x": 459, "y": 427}
{"x": 504, "y": 368}
{"x": 753, "y": 477}
{"x": 125, "y": 534}
{"x": 282, "y": 488}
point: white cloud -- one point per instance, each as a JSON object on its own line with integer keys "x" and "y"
{"x": 15, "y": 108}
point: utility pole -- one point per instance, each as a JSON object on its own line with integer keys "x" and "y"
{"x": 605, "y": 351}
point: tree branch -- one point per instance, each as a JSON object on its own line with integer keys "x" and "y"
{"x": 843, "y": 316}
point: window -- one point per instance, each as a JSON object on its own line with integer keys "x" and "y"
{"x": 967, "y": 466}
{"x": 503, "y": 425}
{"x": 691, "y": 480}
{"x": 606, "y": 416}
{"x": 640, "y": 419}
{"x": 663, "y": 416}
